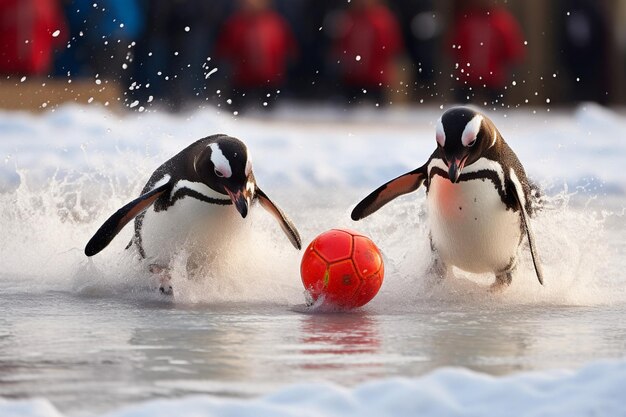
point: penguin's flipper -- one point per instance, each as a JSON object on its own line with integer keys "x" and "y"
{"x": 285, "y": 223}
{"x": 120, "y": 218}
{"x": 401, "y": 185}
{"x": 529, "y": 233}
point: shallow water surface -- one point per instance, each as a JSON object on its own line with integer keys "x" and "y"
{"x": 90, "y": 354}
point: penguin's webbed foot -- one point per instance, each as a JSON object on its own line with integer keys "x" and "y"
{"x": 165, "y": 280}
{"x": 438, "y": 271}
{"x": 503, "y": 280}
{"x": 166, "y": 290}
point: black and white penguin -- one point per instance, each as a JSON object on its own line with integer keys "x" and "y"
{"x": 478, "y": 196}
{"x": 187, "y": 202}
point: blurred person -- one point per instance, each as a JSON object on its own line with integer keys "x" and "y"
{"x": 174, "y": 56}
{"x": 368, "y": 42}
{"x": 30, "y": 30}
{"x": 308, "y": 76}
{"x": 100, "y": 35}
{"x": 258, "y": 45}
{"x": 583, "y": 39}
{"x": 421, "y": 30}
{"x": 486, "y": 43}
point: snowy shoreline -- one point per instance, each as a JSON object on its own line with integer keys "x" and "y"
{"x": 595, "y": 389}
{"x": 301, "y": 147}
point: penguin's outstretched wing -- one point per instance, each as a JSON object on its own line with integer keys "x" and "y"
{"x": 529, "y": 233}
{"x": 401, "y": 185}
{"x": 285, "y": 223}
{"x": 120, "y": 218}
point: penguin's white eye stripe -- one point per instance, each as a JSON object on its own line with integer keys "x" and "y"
{"x": 220, "y": 162}
{"x": 440, "y": 134}
{"x": 471, "y": 130}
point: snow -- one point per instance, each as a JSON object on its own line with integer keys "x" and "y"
{"x": 597, "y": 389}
{"x": 555, "y": 147}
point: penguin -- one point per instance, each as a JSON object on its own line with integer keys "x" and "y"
{"x": 192, "y": 200}
{"x": 479, "y": 199}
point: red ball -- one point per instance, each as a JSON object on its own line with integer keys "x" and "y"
{"x": 342, "y": 266}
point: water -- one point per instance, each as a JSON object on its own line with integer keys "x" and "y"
{"x": 88, "y": 355}
{"x": 91, "y": 336}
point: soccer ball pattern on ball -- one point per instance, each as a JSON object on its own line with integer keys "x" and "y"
{"x": 342, "y": 266}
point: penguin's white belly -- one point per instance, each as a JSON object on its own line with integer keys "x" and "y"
{"x": 470, "y": 225}
{"x": 191, "y": 225}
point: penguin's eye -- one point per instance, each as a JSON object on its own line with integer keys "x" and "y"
{"x": 218, "y": 173}
{"x": 472, "y": 143}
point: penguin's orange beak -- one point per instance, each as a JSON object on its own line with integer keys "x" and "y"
{"x": 240, "y": 199}
{"x": 455, "y": 167}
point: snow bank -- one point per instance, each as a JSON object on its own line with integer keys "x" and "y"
{"x": 597, "y": 389}
{"x": 314, "y": 147}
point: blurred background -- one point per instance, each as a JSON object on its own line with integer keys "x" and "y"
{"x": 254, "y": 54}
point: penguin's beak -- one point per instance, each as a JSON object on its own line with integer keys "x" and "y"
{"x": 240, "y": 199}
{"x": 455, "y": 167}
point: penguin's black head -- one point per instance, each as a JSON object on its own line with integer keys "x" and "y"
{"x": 463, "y": 135}
{"x": 225, "y": 167}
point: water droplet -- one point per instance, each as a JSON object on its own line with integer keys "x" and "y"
{"x": 213, "y": 71}
{"x": 187, "y": 28}
{"x": 56, "y": 33}
{"x": 358, "y": 57}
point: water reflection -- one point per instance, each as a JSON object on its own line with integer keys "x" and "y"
{"x": 341, "y": 347}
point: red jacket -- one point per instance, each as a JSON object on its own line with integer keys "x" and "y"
{"x": 370, "y": 41}
{"x": 26, "y": 35}
{"x": 490, "y": 42}
{"x": 258, "y": 47}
